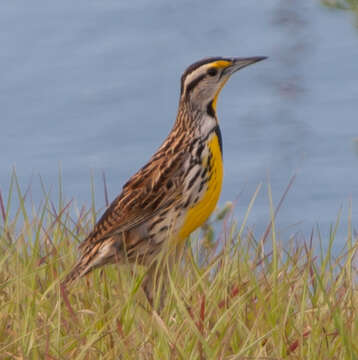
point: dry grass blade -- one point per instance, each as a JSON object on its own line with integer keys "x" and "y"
{"x": 222, "y": 303}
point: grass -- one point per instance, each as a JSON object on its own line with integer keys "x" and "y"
{"x": 232, "y": 297}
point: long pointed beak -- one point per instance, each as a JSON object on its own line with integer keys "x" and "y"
{"x": 239, "y": 63}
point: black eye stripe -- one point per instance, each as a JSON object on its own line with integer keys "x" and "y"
{"x": 195, "y": 66}
{"x": 212, "y": 71}
{"x": 192, "y": 84}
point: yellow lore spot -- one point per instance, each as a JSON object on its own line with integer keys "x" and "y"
{"x": 221, "y": 64}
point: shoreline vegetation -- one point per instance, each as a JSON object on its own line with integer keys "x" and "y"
{"x": 233, "y": 296}
{"x": 351, "y": 5}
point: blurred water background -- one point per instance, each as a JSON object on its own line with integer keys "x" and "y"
{"x": 92, "y": 86}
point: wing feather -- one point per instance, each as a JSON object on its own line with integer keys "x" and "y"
{"x": 153, "y": 188}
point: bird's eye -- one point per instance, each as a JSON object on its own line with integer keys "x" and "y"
{"x": 212, "y": 71}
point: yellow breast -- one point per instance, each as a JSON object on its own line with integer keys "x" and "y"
{"x": 200, "y": 212}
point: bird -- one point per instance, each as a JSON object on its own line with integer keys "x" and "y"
{"x": 179, "y": 187}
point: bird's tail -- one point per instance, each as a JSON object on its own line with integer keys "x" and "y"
{"x": 80, "y": 269}
{"x": 92, "y": 257}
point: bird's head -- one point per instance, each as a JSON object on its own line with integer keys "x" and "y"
{"x": 202, "y": 81}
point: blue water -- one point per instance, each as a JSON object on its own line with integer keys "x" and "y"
{"x": 92, "y": 86}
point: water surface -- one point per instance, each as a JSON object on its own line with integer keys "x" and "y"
{"x": 94, "y": 85}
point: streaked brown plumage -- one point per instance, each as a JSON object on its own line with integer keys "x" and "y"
{"x": 159, "y": 202}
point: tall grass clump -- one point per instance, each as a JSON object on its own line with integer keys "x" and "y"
{"x": 233, "y": 296}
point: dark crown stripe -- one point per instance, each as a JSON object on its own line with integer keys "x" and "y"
{"x": 195, "y": 66}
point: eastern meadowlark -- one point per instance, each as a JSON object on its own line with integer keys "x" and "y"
{"x": 177, "y": 190}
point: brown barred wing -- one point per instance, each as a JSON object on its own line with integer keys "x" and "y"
{"x": 155, "y": 187}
